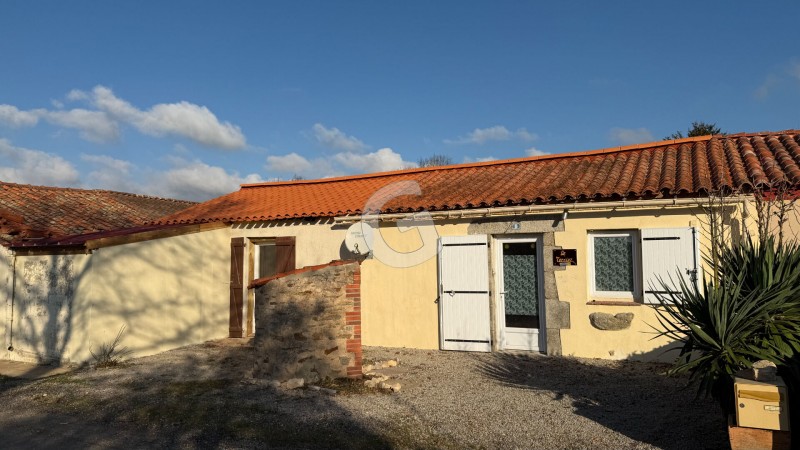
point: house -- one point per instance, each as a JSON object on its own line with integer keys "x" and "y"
{"x": 557, "y": 254}
{"x": 33, "y": 219}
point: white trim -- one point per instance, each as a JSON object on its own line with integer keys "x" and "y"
{"x": 634, "y": 295}
{"x": 500, "y": 315}
{"x": 504, "y": 211}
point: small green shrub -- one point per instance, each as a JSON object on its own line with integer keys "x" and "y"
{"x": 111, "y": 354}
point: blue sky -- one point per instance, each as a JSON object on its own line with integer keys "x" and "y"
{"x": 189, "y": 99}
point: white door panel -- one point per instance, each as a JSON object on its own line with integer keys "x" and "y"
{"x": 464, "y": 293}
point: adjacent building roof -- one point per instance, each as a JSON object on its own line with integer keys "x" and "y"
{"x": 45, "y": 212}
{"x": 665, "y": 169}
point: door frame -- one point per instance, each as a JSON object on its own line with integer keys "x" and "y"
{"x": 500, "y": 317}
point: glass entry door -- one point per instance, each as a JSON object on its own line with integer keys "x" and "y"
{"x": 520, "y": 297}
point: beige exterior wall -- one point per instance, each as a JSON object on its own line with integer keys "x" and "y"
{"x": 175, "y": 291}
{"x": 317, "y": 242}
{"x": 398, "y": 305}
{"x": 399, "y": 309}
{"x": 6, "y": 281}
{"x": 167, "y": 293}
{"x": 582, "y": 339}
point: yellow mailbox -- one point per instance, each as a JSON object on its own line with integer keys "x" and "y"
{"x": 762, "y": 405}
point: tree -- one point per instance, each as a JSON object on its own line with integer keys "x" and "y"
{"x": 698, "y": 128}
{"x": 435, "y": 160}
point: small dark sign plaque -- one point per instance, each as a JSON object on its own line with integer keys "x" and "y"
{"x": 565, "y": 257}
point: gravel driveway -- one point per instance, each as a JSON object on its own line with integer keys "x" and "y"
{"x": 199, "y": 397}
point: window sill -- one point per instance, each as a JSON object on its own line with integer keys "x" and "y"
{"x": 614, "y": 303}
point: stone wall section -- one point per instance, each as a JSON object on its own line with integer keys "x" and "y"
{"x": 308, "y": 323}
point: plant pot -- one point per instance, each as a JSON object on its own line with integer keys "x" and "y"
{"x": 744, "y": 438}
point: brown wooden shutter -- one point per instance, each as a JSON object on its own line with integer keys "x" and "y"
{"x": 237, "y": 291}
{"x": 284, "y": 254}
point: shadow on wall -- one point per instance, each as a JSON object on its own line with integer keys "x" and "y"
{"x": 44, "y": 310}
{"x": 648, "y": 407}
{"x": 166, "y": 293}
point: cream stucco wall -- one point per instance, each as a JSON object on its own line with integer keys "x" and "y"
{"x": 582, "y": 339}
{"x": 317, "y": 242}
{"x": 167, "y": 293}
{"x": 6, "y": 281}
{"x": 398, "y": 304}
{"x": 175, "y": 291}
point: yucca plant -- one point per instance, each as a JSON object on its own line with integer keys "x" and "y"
{"x": 747, "y": 310}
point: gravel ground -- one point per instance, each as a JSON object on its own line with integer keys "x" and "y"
{"x": 200, "y": 397}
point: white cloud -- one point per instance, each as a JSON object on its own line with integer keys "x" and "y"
{"x": 77, "y": 94}
{"x": 468, "y": 159}
{"x": 382, "y": 160}
{"x": 188, "y": 180}
{"x": 111, "y": 173}
{"x": 14, "y": 118}
{"x": 291, "y": 163}
{"x": 533, "y": 151}
{"x": 770, "y": 83}
{"x": 626, "y": 136}
{"x": 196, "y": 180}
{"x": 106, "y": 161}
{"x": 27, "y": 166}
{"x": 341, "y": 163}
{"x": 94, "y": 126}
{"x": 496, "y": 133}
{"x": 335, "y": 138}
{"x": 183, "y": 119}
{"x": 780, "y": 78}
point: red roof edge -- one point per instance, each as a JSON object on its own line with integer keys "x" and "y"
{"x": 262, "y": 281}
{"x": 664, "y": 143}
{"x": 79, "y": 240}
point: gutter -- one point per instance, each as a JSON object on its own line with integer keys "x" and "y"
{"x": 544, "y": 209}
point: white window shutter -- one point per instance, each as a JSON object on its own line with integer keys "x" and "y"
{"x": 668, "y": 254}
{"x": 464, "y": 293}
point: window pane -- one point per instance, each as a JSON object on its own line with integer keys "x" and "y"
{"x": 266, "y": 260}
{"x": 613, "y": 263}
{"x": 520, "y": 285}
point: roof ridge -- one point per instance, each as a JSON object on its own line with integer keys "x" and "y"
{"x": 499, "y": 162}
{"x": 61, "y": 188}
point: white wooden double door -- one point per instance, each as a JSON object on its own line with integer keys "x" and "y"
{"x": 465, "y": 294}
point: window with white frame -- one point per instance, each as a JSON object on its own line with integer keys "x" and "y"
{"x": 642, "y": 264}
{"x": 614, "y": 263}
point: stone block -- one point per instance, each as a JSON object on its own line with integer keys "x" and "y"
{"x": 293, "y": 383}
{"x": 611, "y": 322}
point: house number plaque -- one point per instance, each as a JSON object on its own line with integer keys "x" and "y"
{"x": 565, "y": 257}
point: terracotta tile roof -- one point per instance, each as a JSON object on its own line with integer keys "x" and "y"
{"x": 39, "y": 211}
{"x": 684, "y": 167}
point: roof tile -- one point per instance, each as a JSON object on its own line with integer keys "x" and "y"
{"x": 42, "y": 211}
{"x": 691, "y": 166}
